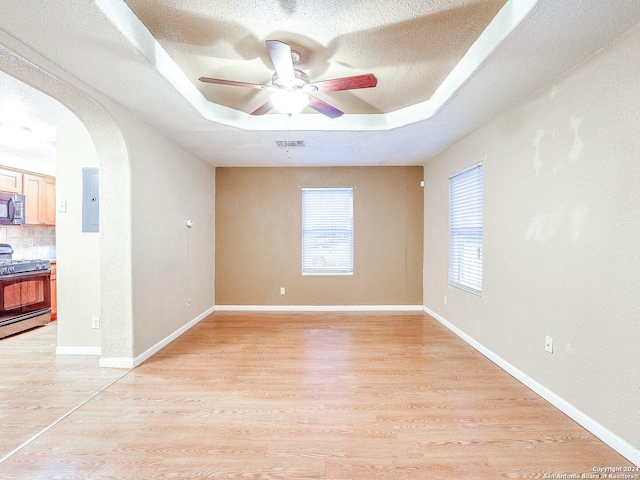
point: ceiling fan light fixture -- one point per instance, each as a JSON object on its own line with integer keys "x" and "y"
{"x": 292, "y": 86}
{"x": 289, "y": 102}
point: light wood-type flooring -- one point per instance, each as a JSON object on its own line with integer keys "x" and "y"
{"x": 334, "y": 396}
{"x": 37, "y": 387}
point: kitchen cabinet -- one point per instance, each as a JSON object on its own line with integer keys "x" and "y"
{"x": 40, "y": 199}
{"x": 54, "y": 292}
{"x": 10, "y": 181}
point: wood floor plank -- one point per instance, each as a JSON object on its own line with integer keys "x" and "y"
{"x": 38, "y": 386}
{"x": 313, "y": 396}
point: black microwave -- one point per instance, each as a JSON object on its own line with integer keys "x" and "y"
{"x": 11, "y": 209}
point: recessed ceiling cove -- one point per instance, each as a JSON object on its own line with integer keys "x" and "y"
{"x": 439, "y": 74}
{"x": 411, "y": 47}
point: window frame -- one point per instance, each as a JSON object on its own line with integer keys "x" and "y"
{"x": 335, "y": 270}
{"x": 461, "y": 263}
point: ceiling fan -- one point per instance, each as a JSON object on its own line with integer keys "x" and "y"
{"x": 291, "y": 87}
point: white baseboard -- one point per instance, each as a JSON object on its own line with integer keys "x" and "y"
{"x": 116, "y": 362}
{"x": 167, "y": 340}
{"x": 78, "y": 350}
{"x": 126, "y": 362}
{"x": 319, "y": 308}
{"x": 607, "y": 436}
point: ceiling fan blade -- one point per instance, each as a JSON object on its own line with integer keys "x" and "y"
{"x": 324, "y": 108}
{"x": 346, "y": 83}
{"x": 263, "y": 109}
{"x": 233, "y": 83}
{"x": 280, "y": 54}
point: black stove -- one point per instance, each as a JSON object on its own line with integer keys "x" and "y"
{"x": 25, "y": 293}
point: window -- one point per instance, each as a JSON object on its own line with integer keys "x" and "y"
{"x": 327, "y": 231}
{"x": 465, "y": 248}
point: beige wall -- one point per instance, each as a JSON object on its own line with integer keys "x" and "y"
{"x": 561, "y": 226}
{"x": 149, "y": 185}
{"x": 172, "y": 269}
{"x": 77, "y": 253}
{"x": 172, "y": 266}
{"x": 258, "y": 237}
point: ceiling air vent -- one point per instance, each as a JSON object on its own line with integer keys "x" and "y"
{"x": 289, "y": 143}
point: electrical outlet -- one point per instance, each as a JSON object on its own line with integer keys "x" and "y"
{"x": 444, "y": 299}
{"x": 548, "y": 344}
{"x": 282, "y": 290}
{"x": 95, "y": 322}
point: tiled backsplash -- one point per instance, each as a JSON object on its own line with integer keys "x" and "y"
{"x": 30, "y": 242}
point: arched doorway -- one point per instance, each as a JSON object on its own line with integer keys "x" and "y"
{"x": 115, "y": 308}
{"x": 20, "y": 62}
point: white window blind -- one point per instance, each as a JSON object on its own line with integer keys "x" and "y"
{"x": 465, "y": 249}
{"x": 327, "y": 231}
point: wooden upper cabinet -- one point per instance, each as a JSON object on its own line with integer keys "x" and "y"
{"x": 32, "y": 199}
{"x": 40, "y": 199}
{"x": 49, "y": 201}
{"x": 10, "y": 181}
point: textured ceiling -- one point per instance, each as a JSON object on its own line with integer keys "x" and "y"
{"x": 110, "y": 53}
{"x": 410, "y": 46}
{"x": 28, "y": 120}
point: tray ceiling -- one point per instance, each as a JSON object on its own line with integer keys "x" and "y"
{"x": 410, "y": 46}
{"x": 444, "y": 70}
